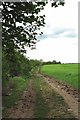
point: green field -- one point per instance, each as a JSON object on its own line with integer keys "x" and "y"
{"x": 64, "y": 72}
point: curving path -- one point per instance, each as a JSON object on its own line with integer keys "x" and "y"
{"x": 71, "y": 99}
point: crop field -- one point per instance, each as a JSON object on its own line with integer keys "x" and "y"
{"x": 64, "y": 72}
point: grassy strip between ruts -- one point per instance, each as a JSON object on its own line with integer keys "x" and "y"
{"x": 41, "y": 109}
{"x": 63, "y": 72}
{"x": 49, "y": 104}
{"x": 19, "y": 84}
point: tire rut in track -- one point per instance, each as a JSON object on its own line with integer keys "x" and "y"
{"x": 25, "y": 107}
{"x": 71, "y": 100}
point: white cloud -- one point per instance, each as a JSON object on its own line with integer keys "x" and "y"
{"x": 64, "y": 22}
{"x": 60, "y": 49}
{"x": 62, "y": 17}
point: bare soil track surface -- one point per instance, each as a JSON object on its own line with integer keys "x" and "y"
{"x": 69, "y": 94}
{"x": 25, "y": 107}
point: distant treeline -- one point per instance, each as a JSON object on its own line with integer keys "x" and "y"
{"x": 55, "y": 62}
{"x": 51, "y": 62}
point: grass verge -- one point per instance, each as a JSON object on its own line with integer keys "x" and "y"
{"x": 16, "y": 90}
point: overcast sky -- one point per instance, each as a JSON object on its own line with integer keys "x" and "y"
{"x": 60, "y": 39}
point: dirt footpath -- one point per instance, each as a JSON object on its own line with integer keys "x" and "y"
{"x": 70, "y": 95}
{"x": 25, "y": 107}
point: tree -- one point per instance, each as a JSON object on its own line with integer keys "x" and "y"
{"x": 18, "y": 36}
{"x": 54, "y": 62}
{"x": 55, "y": 3}
{"x": 26, "y": 13}
{"x": 59, "y": 62}
{"x": 20, "y": 26}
